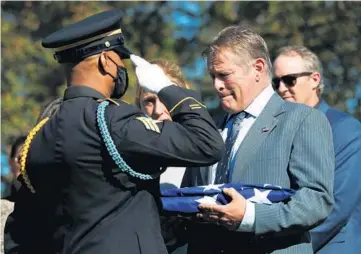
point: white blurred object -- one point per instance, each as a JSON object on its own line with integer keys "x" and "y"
{"x": 150, "y": 76}
{"x": 138, "y": 61}
{"x": 172, "y": 177}
{"x": 7, "y": 207}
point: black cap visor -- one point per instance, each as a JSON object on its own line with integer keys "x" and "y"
{"x": 123, "y": 52}
{"x": 115, "y": 43}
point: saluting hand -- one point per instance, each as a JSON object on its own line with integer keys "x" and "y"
{"x": 150, "y": 76}
{"x": 230, "y": 215}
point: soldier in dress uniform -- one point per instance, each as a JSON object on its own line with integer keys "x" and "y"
{"x": 96, "y": 162}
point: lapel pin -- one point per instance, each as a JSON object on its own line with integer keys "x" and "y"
{"x": 265, "y": 129}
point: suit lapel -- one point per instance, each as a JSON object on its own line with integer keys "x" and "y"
{"x": 259, "y": 131}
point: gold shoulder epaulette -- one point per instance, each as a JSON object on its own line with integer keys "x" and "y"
{"x": 149, "y": 123}
{"x": 25, "y": 151}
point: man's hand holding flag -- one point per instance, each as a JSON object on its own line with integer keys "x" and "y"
{"x": 223, "y": 204}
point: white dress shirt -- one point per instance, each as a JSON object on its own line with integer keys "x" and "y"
{"x": 253, "y": 110}
{"x": 172, "y": 177}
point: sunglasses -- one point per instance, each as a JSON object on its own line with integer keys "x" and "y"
{"x": 289, "y": 80}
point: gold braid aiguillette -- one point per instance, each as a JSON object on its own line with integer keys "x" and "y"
{"x": 24, "y": 153}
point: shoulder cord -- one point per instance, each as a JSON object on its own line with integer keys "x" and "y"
{"x": 25, "y": 151}
{"x": 112, "y": 150}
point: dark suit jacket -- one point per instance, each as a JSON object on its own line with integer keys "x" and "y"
{"x": 296, "y": 152}
{"x": 341, "y": 231}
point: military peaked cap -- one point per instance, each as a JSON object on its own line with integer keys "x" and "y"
{"x": 88, "y": 37}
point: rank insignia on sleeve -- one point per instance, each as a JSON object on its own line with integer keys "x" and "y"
{"x": 195, "y": 106}
{"x": 149, "y": 124}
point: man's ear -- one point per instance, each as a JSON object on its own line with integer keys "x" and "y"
{"x": 260, "y": 65}
{"x": 104, "y": 62}
{"x": 316, "y": 78}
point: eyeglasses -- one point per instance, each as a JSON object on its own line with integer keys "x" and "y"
{"x": 289, "y": 80}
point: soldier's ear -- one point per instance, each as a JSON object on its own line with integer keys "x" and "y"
{"x": 103, "y": 63}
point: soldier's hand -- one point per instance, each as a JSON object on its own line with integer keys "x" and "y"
{"x": 150, "y": 76}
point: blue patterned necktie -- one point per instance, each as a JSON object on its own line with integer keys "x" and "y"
{"x": 223, "y": 165}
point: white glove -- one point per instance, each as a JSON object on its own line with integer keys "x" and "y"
{"x": 150, "y": 76}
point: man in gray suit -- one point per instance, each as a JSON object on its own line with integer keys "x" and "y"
{"x": 268, "y": 141}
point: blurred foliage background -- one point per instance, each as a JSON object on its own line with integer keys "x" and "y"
{"x": 177, "y": 31}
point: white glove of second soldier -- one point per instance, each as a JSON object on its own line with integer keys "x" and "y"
{"x": 150, "y": 76}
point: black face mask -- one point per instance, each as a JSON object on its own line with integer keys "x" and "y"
{"x": 120, "y": 82}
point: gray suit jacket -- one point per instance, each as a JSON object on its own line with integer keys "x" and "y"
{"x": 289, "y": 145}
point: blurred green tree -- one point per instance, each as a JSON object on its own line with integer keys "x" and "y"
{"x": 177, "y": 31}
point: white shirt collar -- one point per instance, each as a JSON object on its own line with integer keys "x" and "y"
{"x": 258, "y": 104}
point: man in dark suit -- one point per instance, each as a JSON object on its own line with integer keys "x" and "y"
{"x": 95, "y": 164}
{"x": 268, "y": 141}
{"x": 341, "y": 232}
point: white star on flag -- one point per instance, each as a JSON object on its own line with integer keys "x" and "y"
{"x": 208, "y": 200}
{"x": 212, "y": 187}
{"x": 260, "y": 197}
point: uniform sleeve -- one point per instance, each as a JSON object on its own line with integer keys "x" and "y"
{"x": 191, "y": 139}
{"x": 347, "y": 190}
{"x": 311, "y": 170}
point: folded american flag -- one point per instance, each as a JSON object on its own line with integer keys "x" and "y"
{"x": 186, "y": 200}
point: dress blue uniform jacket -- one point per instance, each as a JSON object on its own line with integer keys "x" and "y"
{"x": 83, "y": 202}
{"x": 341, "y": 231}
